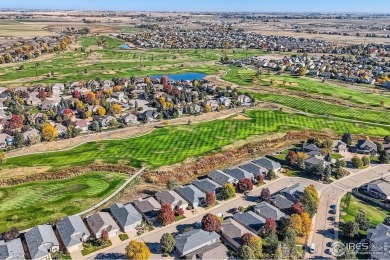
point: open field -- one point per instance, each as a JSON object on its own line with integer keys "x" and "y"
{"x": 324, "y": 108}
{"x": 174, "y": 144}
{"x": 23, "y": 29}
{"x": 40, "y": 202}
{"x": 350, "y": 206}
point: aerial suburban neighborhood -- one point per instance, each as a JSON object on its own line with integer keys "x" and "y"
{"x": 203, "y": 130}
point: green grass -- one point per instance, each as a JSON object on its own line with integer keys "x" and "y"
{"x": 123, "y": 236}
{"x": 327, "y": 89}
{"x": 174, "y": 144}
{"x": 240, "y": 76}
{"x": 34, "y": 203}
{"x": 350, "y": 206}
{"x": 89, "y": 248}
{"x": 324, "y": 108}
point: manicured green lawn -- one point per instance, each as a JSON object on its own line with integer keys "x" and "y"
{"x": 27, "y": 205}
{"x": 350, "y": 206}
{"x": 327, "y": 89}
{"x": 89, "y": 247}
{"x": 240, "y": 76}
{"x": 174, "y": 144}
{"x": 325, "y": 108}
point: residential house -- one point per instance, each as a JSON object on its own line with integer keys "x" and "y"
{"x": 232, "y": 231}
{"x": 41, "y": 241}
{"x": 315, "y": 160}
{"x": 339, "y": 146}
{"x": 244, "y": 100}
{"x": 6, "y": 140}
{"x": 193, "y": 240}
{"x": 73, "y": 233}
{"x": 311, "y": 149}
{"x": 12, "y": 250}
{"x": 129, "y": 119}
{"x": 33, "y": 100}
{"x": 250, "y": 220}
{"x": 215, "y": 251}
{"x": 366, "y": 147}
{"x": 82, "y": 124}
{"x": 32, "y": 136}
{"x": 224, "y": 101}
{"x": 102, "y": 221}
{"x": 126, "y": 216}
{"x": 192, "y": 194}
{"x": 379, "y": 239}
{"x": 148, "y": 207}
{"x": 221, "y": 177}
{"x": 253, "y": 169}
{"x": 378, "y": 189}
{"x": 149, "y": 116}
{"x": 268, "y": 164}
{"x": 282, "y": 203}
{"x": 238, "y": 173}
{"x": 171, "y": 197}
{"x": 208, "y": 186}
{"x": 293, "y": 192}
{"x": 107, "y": 121}
{"x": 267, "y": 210}
{"x": 61, "y": 129}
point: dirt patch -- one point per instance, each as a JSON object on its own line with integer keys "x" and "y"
{"x": 278, "y": 82}
{"x": 21, "y": 172}
{"x": 242, "y": 117}
{"x": 293, "y": 84}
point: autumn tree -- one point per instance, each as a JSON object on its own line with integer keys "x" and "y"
{"x": 254, "y": 242}
{"x": 211, "y": 223}
{"x": 244, "y": 185}
{"x": 167, "y": 243}
{"x": 116, "y": 108}
{"x": 228, "y": 191}
{"x": 166, "y": 215}
{"x": 301, "y": 157}
{"x": 210, "y": 198}
{"x": 104, "y": 237}
{"x": 260, "y": 178}
{"x": 296, "y": 223}
{"x": 310, "y": 200}
{"x": 101, "y": 111}
{"x": 306, "y": 223}
{"x": 3, "y": 157}
{"x": 137, "y": 250}
{"x": 247, "y": 253}
{"x": 16, "y": 121}
{"x": 268, "y": 228}
{"x": 291, "y": 158}
{"x": 357, "y": 162}
{"x": 117, "y": 88}
{"x": 90, "y": 97}
{"x": 265, "y": 194}
{"x": 297, "y": 208}
{"x": 49, "y": 132}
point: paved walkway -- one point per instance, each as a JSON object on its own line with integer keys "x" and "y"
{"x": 114, "y": 193}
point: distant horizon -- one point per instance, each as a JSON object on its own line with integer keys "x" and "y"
{"x": 249, "y": 6}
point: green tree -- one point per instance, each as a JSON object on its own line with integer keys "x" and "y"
{"x": 228, "y": 191}
{"x": 366, "y": 160}
{"x": 327, "y": 172}
{"x": 271, "y": 174}
{"x": 357, "y": 162}
{"x": 172, "y": 183}
{"x": 347, "y": 138}
{"x": 310, "y": 200}
{"x": 271, "y": 242}
{"x": 349, "y": 254}
{"x": 350, "y": 229}
{"x": 362, "y": 220}
{"x": 167, "y": 243}
{"x": 247, "y": 253}
{"x": 19, "y": 139}
{"x": 384, "y": 157}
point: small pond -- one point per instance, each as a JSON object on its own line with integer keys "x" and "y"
{"x": 183, "y": 76}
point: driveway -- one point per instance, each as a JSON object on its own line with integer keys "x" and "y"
{"x": 332, "y": 194}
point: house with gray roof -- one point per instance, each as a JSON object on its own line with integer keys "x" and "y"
{"x": 311, "y": 149}
{"x": 293, "y": 192}
{"x": 171, "y": 197}
{"x": 268, "y": 164}
{"x": 315, "y": 160}
{"x": 238, "y": 173}
{"x": 207, "y": 185}
{"x": 250, "y": 220}
{"x": 41, "y": 241}
{"x": 73, "y": 233}
{"x": 379, "y": 239}
{"x": 195, "y": 239}
{"x": 282, "y": 203}
{"x": 379, "y": 189}
{"x": 102, "y": 221}
{"x": 126, "y": 216}
{"x": 216, "y": 251}
{"x": 232, "y": 232}
{"x": 365, "y": 147}
{"x": 12, "y": 250}
{"x": 221, "y": 177}
{"x": 267, "y": 210}
{"x": 339, "y": 146}
{"x": 148, "y": 207}
{"x": 192, "y": 195}
{"x": 253, "y": 168}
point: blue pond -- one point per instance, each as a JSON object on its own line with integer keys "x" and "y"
{"x": 183, "y": 76}
{"x": 125, "y": 47}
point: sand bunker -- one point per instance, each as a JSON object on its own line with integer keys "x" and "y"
{"x": 241, "y": 117}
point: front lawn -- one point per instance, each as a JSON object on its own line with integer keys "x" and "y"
{"x": 93, "y": 246}
{"x": 27, "y": 205}
{"x": 123, "y": 237}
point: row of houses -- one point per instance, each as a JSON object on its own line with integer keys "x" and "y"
{"x": 200, "y": 244}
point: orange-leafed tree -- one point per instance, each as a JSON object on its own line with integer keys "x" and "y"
{"x": 116, "y": 108}
{"x": 90, "y": 98}
{"x": 49, "y": 132}
{"x": 306, "y": 223}
{"x": 296, "y": 223}
{"x": 101, "y": 111}
{"x": 137, "y": 250}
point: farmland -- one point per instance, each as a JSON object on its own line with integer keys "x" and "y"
{"x": 174, "y": 144}
{"x": 40, "y": 202}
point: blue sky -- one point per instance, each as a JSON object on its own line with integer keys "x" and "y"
{"x": 382, "y": 6}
